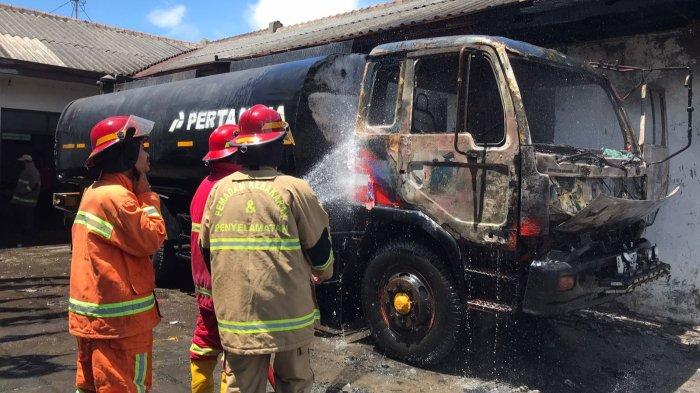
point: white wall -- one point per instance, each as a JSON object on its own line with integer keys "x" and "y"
{"x": 677, "y": 227}
{"x": 20, "y": 92}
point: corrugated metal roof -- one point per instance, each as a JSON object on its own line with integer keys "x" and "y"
{"x": 50, "y": 39}
{"x": 27, "y": 49}
{"x": 338, "y": 27}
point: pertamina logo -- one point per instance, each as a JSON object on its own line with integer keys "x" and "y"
{"x": 210, "y": 119}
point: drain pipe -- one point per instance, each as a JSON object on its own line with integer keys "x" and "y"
{"x": 690, "y": 108}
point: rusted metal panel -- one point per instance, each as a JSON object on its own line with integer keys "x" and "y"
{"x": 517, "y": 47}
{"x": 609, "y": 211}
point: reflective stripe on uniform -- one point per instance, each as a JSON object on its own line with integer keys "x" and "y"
{"x": 151, "y": 211}
{"x": 325, "y": 265}
{"x": 112, "y": 310}
{"x": 279, "y": 325}
{"x": 202, "y": 291}
{"x": 25, "y": 200}
{"x": 196, "y": 227}
{"x": 197, "y": 350}
{"x": 140, "y": 367}
{"x": 94, "y": 224}
{"x": 255, "y": 243}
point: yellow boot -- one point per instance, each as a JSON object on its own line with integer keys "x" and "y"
{"x": 202, "y": 371}
{"x": 228, "y": 382}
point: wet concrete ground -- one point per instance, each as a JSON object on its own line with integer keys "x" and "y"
{"x": 591, "y": 351}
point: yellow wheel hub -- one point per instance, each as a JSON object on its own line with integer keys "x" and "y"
{"x": 402, "y": 303}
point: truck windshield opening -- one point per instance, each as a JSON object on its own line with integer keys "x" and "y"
{"x": 566, "y": 107}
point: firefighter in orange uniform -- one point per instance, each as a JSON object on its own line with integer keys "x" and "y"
{"x": 266, "y": 237}
{"x": 112, "y": 306}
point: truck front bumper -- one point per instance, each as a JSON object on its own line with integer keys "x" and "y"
{"x": 598, "y": 279}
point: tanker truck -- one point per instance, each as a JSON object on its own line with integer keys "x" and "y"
{"x": 486, "y": 175}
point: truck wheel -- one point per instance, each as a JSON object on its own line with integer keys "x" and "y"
{"x": 164, "y": 265}
{"x": 411, "y": 304}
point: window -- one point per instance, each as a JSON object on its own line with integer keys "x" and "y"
{"x": 385, "y": 88}
{"x": 26, "y": 132}
{"x": 567, "y": 107}
{"x": 29, "y": 122}
{"x": 435, "y": 95}
{"x": 435, "y": 98}
{"x": 484, "y": 108}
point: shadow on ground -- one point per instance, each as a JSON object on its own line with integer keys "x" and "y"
{"x": 32, "y": 284}
{"x": 29, "y": 366}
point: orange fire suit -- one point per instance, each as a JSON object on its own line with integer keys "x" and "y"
{"x": 112, "y": 306}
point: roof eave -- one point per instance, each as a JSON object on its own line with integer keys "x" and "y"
{"x": 11, "y": 67}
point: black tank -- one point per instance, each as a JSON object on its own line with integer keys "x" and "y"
{"x": 313, "y": 95}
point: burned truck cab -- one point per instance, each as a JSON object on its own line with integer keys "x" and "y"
{"x": 588, "y": 190}
{"x": 527, "y": 188}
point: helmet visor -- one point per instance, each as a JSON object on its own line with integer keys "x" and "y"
{"x": 142, "y": 127}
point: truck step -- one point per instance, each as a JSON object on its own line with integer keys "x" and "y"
{"x": 492, "y": 273}
{"x": 488, "y": 306}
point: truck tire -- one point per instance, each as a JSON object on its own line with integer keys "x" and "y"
{"x": 411, "y": 304}
{"x": 165, "y": 265}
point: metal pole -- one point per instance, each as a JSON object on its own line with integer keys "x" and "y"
{"x": 1, "y": 102}
{"x": 75, "y": 9}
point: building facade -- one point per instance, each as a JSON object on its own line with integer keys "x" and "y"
{"x": 47, "y": 61}
{"x": 677, "y": 227}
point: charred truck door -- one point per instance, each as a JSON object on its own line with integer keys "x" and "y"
{"x": 436, "y": 202}
{"x": 470, "y": 186}
{"x": 458, "y": 155}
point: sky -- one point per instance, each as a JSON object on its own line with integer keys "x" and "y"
{"x": 193, "y": 20}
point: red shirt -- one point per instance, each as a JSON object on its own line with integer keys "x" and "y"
{"x": 200, "y": 274}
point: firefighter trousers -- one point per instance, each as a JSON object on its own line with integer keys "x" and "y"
{"x": 204, "y": 351}
{"x": 122, "y": 365}
{"x": 292, "y": 371}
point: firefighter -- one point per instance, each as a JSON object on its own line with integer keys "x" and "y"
{"x": 112, "y": 306}
{"x": 266, "y": 237}
{"x": 206, "y": 345}
{"x": 25, "y": 197}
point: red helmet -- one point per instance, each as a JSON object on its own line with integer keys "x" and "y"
{"x": 113, "y": 130}
{"x": 220, "y": 142}
{"x": 259, "y": 125}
